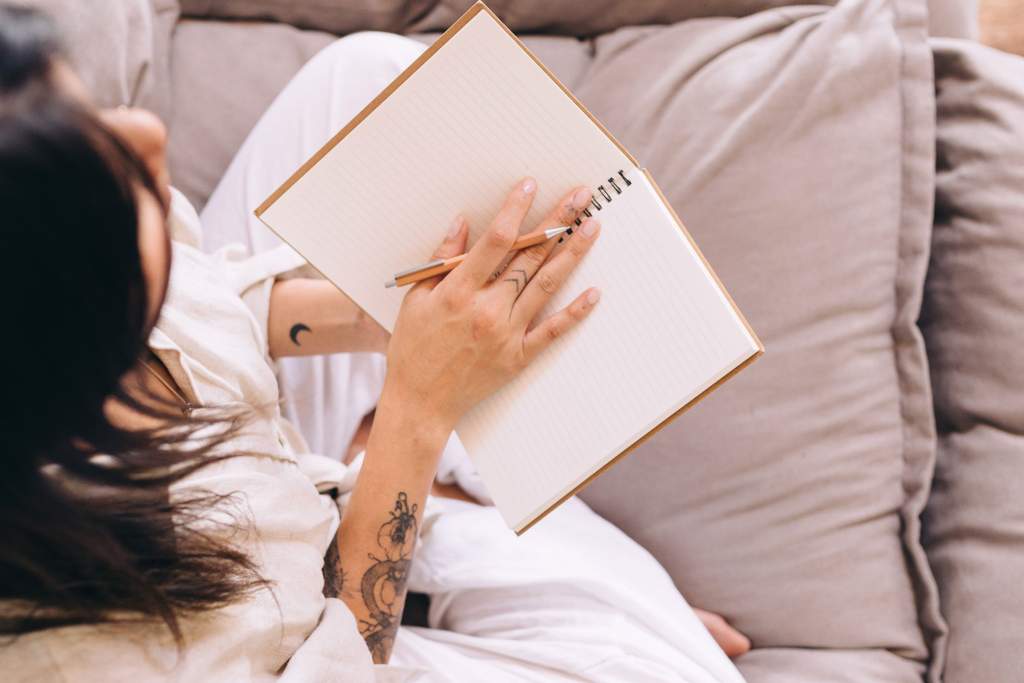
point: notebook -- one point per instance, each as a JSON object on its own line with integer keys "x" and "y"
{"x": 453, "y": 133}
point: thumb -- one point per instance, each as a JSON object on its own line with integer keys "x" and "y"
{"x": 454, "y": 244}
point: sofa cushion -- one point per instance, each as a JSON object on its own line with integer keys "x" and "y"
{"x": 793, "y": 665}
{"x": 798, "y": 147}
{"x": 337, "y": 17}
{"x": 211, "y": 120}
{"x": 973, "y": 321}
{"x": 118, "y": 49}
{"x": 563, "y": 17}
{"x": 571, "y": 17}
{"x": 953, "y": 18}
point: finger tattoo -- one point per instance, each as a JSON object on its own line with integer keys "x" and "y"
{"x": 517, "y": 276}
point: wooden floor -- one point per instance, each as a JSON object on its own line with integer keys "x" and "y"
{"x": 1002, "y": 24}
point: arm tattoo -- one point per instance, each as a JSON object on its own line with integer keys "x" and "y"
{"x": 294, "y": 332}
{"x": 334, "y": 575}
{"x": 383, "y": 584}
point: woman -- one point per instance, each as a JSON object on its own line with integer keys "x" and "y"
{"x": 161, "y": 518}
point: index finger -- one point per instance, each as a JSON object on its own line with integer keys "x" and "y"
{"x": 490, "y": 250}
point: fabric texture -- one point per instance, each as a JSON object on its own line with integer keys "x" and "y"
{"x": 127, "y": 65}
{"x": 953, "y": 18}
{"x": 205, "y": 57}
{"x": 155, "y": 91}
{"x": 562, "y": 17}
{"x": 973, "y": 321}
{"x": 795, "y": 665}
{"x": 573, "y": 18}
{"x": 337, "y": 17}
{"x": 797, "y": 146}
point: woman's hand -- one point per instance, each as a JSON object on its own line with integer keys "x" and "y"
{"x": 460, "y": 338}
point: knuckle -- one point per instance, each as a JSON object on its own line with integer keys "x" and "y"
{"x": 485, "y": 321}
{"x": 514, "y": 362}
{"x": 547, "y": 283}
{"x": 553, "y": 330}
{"x": 566, "y": 212}
{"x": 534, "y": 256}
{"x": 502, "y": 235}
{"x": 452, "y": 298}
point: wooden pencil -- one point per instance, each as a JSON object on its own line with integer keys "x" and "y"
{"x": 440, "y": 266}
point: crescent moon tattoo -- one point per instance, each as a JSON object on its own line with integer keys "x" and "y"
{"x": 294, "y": 332}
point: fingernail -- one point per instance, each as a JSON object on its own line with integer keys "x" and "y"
{"x": 581, "y": 198}
{"x": 593, "y": 296}
{"x": 529, "y": 185}
{"x": 589, "y": 227}
{"x": 455, "y": 228}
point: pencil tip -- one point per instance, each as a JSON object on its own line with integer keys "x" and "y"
{"x": 555, "y": 232}
{"x": 389, "y": 283}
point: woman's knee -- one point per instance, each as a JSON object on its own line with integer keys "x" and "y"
{"x": 372, "y": 53}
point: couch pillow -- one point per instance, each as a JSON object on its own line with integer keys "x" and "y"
{"x": 571, "y": 17}
{"x": 336, "y": 17}
{"x": 155, "y": 91}
{"x": 797, "y": 145}
{"x": 564, "y": 17}
{"x": 111, "y": 46}
{"x": 973, "y": 321}
{"x": 953, "y": 18}
{"x": 218, "y": 98}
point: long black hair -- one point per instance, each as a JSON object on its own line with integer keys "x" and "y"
{"x": 88, "y": 529}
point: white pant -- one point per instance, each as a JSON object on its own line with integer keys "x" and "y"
{"x": 574, "y": 599}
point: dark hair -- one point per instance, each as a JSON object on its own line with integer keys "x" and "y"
{"x": 89, "y": 530}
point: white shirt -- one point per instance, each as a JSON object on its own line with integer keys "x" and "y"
{"x": 212, "y": 336}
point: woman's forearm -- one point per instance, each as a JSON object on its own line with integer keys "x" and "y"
{"x": 379, "y": 528}
{"x": 309, "y": 317}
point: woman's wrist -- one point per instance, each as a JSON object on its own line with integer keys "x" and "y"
{"x": 411, "y": 420}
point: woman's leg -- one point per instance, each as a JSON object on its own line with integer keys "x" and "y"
{"x": 573, "y": 599}
{"x": 325, "y": 396}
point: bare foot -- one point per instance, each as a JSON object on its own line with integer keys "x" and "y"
{"x": 732, "y": 642}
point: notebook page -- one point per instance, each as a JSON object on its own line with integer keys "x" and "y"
{"x": 662, "y": 333}
{"x": 455, "y": 137}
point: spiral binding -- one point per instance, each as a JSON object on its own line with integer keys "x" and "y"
{"x": 613, "y": 185}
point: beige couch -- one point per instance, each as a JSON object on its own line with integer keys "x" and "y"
{"x": 843, "y": 170}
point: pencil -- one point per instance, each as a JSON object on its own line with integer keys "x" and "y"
{"x": 439, "y": 266}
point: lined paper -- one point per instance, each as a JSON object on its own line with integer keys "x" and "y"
{"x": 455, "y": 137}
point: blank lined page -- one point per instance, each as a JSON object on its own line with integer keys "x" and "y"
{"x": 454, "y": 137}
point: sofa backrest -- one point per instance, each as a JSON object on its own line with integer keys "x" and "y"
{"x": 949, "y": 18}
{"x": 120, "y": 50}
